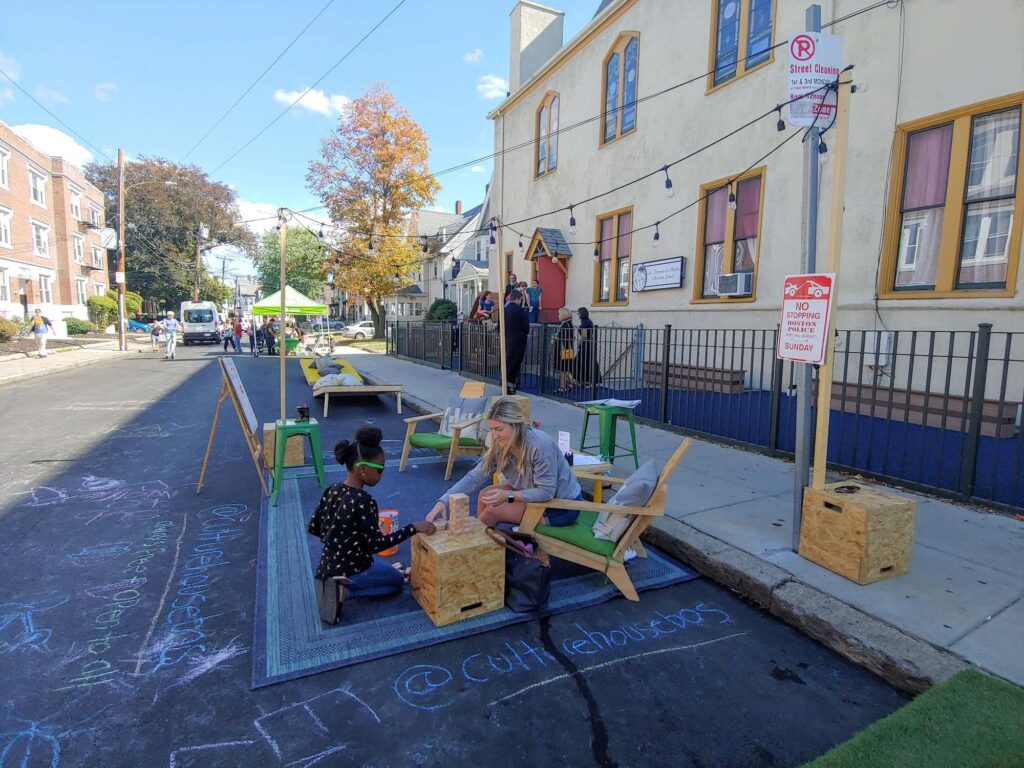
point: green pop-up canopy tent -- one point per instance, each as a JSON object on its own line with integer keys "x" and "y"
{"x": 295, "y": 303}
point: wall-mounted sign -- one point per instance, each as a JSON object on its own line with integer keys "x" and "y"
{"x": 656, "y": 275}
{"x": 815, "y": 60}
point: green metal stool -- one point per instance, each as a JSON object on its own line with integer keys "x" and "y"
{"x": 608, "y": 416}
{"x": 286, "y": 428}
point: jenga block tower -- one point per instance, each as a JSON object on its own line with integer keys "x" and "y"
{"x": 458, "y": 514}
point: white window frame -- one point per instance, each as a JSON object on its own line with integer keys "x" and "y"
{"x": 5, "y": 165}
{"x": 45, "y": 253}
{"x": 78, "y": 248}
{"x": 6, "y": 224}
{"x": 33, "y": 174}
{"x": 4, "y": 296}
{"x": 94, "y": 214}
{"x": 99, "y": 289}
{"x": 97, "y": 256}
{"x": 81, "y": 290}
{"x": 76, "y": 202}
{"x": 45, "y": 289}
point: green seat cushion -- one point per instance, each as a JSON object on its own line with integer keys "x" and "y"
{"x": 580, "y": 534}
{"x": 440, "y": 442}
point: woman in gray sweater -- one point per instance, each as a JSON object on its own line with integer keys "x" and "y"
{"x": 532, "y": 468}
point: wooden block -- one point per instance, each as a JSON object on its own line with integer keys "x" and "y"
{"x": 458, "y": 577}
{"x": 294, "y": 450}
{"x": 472, "y": 389}
{"x": 458, "y": 514}
{"x": 866, "y": 535}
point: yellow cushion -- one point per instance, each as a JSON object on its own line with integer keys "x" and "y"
{"x": 312, "y": 377}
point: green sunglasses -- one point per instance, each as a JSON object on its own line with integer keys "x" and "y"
{"x": 378, "y": 467}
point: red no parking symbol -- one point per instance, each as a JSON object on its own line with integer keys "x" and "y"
{"x": 802, "y": 47}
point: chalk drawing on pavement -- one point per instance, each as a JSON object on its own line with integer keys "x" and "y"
{"x": 18, "y": 630}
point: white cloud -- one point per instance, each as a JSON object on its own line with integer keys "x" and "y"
{"x": 54, "y": 143}
{"x": 104, "y": 91}
{"x": 259, "y": 217}
{"x": 51, "y": 97}
{"x": 10, "y": 66}
{"x": 438, "y": 208}
{"x": 315, "y": 101}
{"x": 491, "y": 87}
{"x": 473, "y": 56}
{"x": 477, "y": 169}
{"x": 6, "y": 94}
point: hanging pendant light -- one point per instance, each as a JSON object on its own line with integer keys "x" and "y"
{"x": 657, "y": 235}
{"x": 669, "y": 191}
{"x": 572, "y": 222}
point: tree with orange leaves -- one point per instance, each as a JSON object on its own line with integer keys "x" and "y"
{"x": 372, "y": 172}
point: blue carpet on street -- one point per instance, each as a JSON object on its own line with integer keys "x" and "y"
{"x": 290, "y": 641}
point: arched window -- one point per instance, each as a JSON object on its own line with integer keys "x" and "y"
{"x": 620, "y": 87}
{"x": 547, "y": 134}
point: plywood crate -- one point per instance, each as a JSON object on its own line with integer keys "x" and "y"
{"x": 294, "y": 450}
{"x": 865, "y": 535}
{"x": 458, "y": 577}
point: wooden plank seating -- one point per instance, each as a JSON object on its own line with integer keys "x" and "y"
{"x": 998, "y": 418}
{"x": 312, "y": 377}
{"x": 729, "y": 381}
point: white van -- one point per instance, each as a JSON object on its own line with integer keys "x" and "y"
{"x": 200, "y": 320}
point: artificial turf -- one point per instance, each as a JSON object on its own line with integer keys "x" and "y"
{"x": 970, "y": 720}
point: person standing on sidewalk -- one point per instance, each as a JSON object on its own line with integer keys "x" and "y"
{"x": 39, "y": 324}
{"x": 236, "y": 331}
{"x": 154, "y": 335}
{"x": 517, "y": 333}
{"x": 254, "y": 348}
{"x": 534, "y": 293}
{"x": 171, "y": 328}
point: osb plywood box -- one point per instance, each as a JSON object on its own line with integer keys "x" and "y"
{"x": 294, "y": 449}
{"x": 858, "y": 532}
{"x": 457, "y": 577}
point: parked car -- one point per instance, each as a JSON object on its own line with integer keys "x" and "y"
{"x": 361, "y": 330}
{"x": 333, "y": 325}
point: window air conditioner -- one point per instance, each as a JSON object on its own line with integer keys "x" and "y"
{"x": 736, "y": 284}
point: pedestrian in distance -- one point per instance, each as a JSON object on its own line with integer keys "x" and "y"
{"x": 517, "y": 333}
{"x": 270, "y": 337}
{"x": 587, "y": 369}
{"x": 39, "y": 325}
{"x": 513, "y": 281}
{"x": 236, "y": 334}
{"x": 565, "y": 350}
{"x": 225, "y": 333}
{"x": 254, "y": 347}
{"x": 347, "y": 522}
{"x": 534, "y": 293}
{"x": 170, "y": 328}
{"x": 154, "y": 335}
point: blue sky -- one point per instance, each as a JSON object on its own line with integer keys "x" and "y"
{"x": 152, "y": 78}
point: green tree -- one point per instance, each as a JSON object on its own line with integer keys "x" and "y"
{"x": 212, "y": 289}
{"x": 441, "y": 309}
{"x": 306, "y": 262}
{"x": 164, "y": 205}
{"x": 373, "y": 170}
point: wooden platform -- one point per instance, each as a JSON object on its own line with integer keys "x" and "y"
{"x": 312, "y": 377}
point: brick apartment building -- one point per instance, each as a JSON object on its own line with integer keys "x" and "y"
{"x": 50, "y": 221}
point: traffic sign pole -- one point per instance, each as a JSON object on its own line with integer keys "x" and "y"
{"x": 808, "y": 258}
{"x": 835, "y": 240}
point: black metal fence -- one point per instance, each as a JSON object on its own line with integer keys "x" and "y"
{"x": 934, "y": 410}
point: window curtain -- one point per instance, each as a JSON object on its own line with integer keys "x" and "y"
{"x": 629, "y": 86}
{"x": 924, "y": 198}
{"x": 715, "y": 209}
{"x": 611, "y": 98}
{"x": 553, "y": 136}
{"x": 748, "y": 210}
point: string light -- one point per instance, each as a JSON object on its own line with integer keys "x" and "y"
{"x": 554, "y": 259}
{"x": 321, "y": 235}
{"x": 424, "y": 243}
{"x": 597, "y": 255}
{"x": 781, "y": 125}
{"x": 822, "y": 148}
{"x": 669, "y": 192}
{"x": 369, "y": 250}
{"x": 732, "y": 199}
{"x": 572, "y": 222}
{"x": 657, "y": 235}
{"x": 521, "y": 249}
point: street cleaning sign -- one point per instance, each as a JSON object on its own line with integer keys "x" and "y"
{"x": 815, "y": 60}
{"x": 806, "y": 306}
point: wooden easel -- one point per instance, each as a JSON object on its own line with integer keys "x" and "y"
{"x": 231, "y": 386}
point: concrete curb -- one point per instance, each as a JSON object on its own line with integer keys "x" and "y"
{"x": 51, "y": 351}
{"x": 898, "y": 658}
{"x": 108, "y": 355}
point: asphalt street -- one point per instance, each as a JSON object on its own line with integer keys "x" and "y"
{"x": 100, "y": 666}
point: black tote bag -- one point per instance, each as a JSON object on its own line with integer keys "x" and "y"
{"x": 527, "y": 571}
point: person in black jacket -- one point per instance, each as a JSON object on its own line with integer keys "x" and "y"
{"x": 517, "y": 331}
{"x": 347, "y": 522}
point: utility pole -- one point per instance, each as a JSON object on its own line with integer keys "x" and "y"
{"x": 808, "y": 265}
{"x": 200, "y": 234}
{"x": 122, "y": 341}
{"x": 282, "y": 226}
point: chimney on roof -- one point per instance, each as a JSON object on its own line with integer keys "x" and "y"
{"x": 536, "y": 36}
{"x": 458, "y": 207}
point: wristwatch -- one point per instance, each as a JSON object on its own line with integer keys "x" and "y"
{"x": 511, "y": 497}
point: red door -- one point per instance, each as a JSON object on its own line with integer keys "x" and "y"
{"x": 552, "y": 279}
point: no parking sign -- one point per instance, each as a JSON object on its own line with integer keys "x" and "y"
{"x": 806, "y": 306}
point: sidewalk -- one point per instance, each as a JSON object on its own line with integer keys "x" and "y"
{"x": 20, "y": 367}
{"x": 732, "y": 519}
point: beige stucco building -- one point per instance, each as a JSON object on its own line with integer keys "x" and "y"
{"x": 933, "y": 207}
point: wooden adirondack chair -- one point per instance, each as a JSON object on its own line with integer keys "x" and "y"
{"x": 577, "y": 543}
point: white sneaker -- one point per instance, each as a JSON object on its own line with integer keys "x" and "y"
{"x": 629, "y": 555}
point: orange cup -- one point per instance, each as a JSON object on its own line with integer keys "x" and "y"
{"x": 388, "y": 521}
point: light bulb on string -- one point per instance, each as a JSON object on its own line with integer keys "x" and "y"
{"x": 369, "y": 249}
{"x": 321, "y": 235}
{"x": 657, "y": 235}
{"x": 597, "y": 255}
{"x": 781, "y": 125}
{"x": 822, "y": 148}
{"x": 424, "y": 243}
{"x": 732, "y": 200}
{"x": 669, "y": 192}
{"x": 572, "y": 222}
{"x": 554, "y": 259}
{"x": 521, "y": 249}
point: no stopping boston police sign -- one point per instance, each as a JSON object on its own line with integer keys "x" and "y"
{"x": 806, "y": 305}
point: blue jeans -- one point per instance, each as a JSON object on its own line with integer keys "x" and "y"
{"x": 534, "y": 314}
{"x": 237, "y": 341}
{"x": 379, "y": 580}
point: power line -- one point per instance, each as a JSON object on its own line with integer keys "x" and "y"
{"x": 287, "y": 109}
{"x": 254, "y": 82}
{"x": 47, "y": 111}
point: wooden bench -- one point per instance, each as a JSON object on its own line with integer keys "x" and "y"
{"x": 729, "y": 381}
{"x": 312, "y": 377}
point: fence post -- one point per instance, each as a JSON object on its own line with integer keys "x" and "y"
{"x": 666, "y": 356}
{"x": 543, "y": 357}
{"x": 973, "y": 436}
{"x": 461, "y": 341}
{"x": 777, "y": 371}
